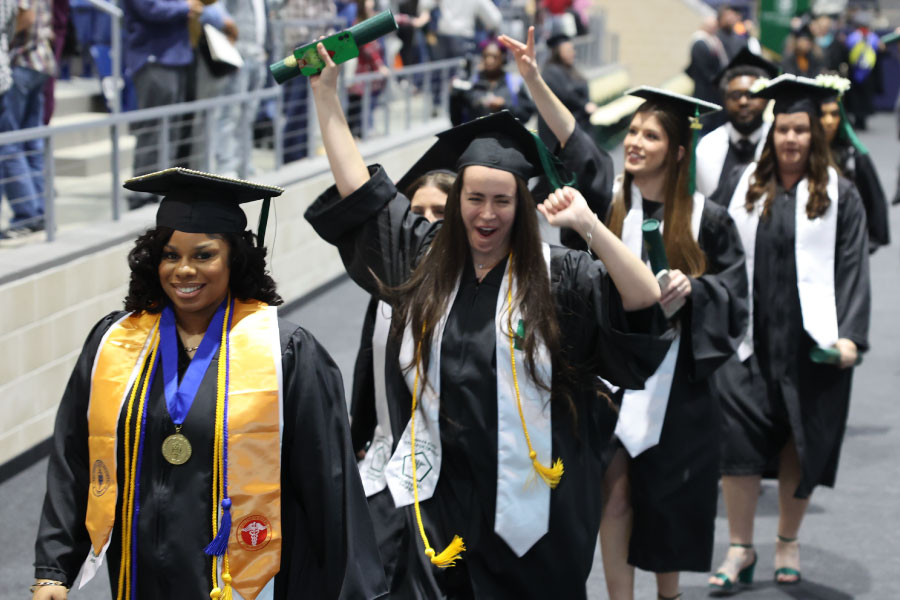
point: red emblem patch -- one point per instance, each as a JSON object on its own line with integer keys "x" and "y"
{"x": 254, "y": 532}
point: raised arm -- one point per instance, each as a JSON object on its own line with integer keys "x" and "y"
{"x": 558, "y": 118}
{"x": 347, "y": 164}
{"x": 637, "y": 286}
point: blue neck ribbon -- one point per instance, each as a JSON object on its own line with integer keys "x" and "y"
{"x": 179, "y": 398}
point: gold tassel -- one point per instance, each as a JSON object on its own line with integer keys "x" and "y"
{"x": 550, "y": 475}
{"x": 449, "y": 556}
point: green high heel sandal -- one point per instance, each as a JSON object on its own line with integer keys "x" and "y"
{"x": 787, "y": 571}
{"x": 744, "y": 577}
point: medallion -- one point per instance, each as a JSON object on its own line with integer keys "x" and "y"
{"x": 176, "y": 449}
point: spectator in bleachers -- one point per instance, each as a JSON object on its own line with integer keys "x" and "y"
{"x": 411, "y": 23}
{"x": 558, "y": 18}
{"x": 252, "y": 21}
{"x": 61, "y": 11}
{"x": 31, "y": 61}
{"x": 491, "y": 89}
{"x": 569, "y": 85}
{"x": 456, "y": 25}
{"x": 158, "y": 55}
{"x": 291, "y": 14}
{"x": 370, "y": 60}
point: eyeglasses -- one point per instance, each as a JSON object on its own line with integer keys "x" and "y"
{"x": 736, "y": 95}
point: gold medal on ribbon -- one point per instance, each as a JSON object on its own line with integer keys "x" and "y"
{"x": 176, "y": 449}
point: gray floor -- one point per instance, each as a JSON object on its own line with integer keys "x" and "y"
{"x": 850, "y": 543}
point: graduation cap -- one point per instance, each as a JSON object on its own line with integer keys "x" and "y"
{"x": 746, "y": 58}
{"x": 793, "y": 94}
{"x": 498, "y": 141}
{"x": 687, "y": 106}
{"x": 198, "y": 202}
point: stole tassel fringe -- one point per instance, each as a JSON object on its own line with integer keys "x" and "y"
{"x": 550, "y": 475}
{"x": 219, "y": 545}
{"x": 449, "y": 556}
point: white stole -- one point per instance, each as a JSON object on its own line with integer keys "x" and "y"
{"x": 712, "y": 151}
{"x": 814, "y": 245}
{"x": 522, "y": 513}
{"x": 643, "y": 412}
{"x": 371, "y": 468}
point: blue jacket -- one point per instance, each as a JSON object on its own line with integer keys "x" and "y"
{"x": 156, "y": 31}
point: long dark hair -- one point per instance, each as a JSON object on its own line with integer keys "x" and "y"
{"x": 422, "y": 300}
{"x": 248, "y": 279}
{"x": 682, "y": 250}
{"x": 762, "y": 182}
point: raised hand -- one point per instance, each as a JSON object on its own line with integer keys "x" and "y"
{"x": 524, "y": 55}
{"x": 326, "y": 81}
{"x": 566, "y": 207}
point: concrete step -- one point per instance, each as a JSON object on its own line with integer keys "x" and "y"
{"x": 81, "y": 136}
{"x": 92, "y": 158}
{"x": 78, "y": 95}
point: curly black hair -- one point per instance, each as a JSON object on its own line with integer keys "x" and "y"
{"x": 249, "y": 278}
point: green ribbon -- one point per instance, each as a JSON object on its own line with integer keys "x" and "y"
{"x": 848, "y": 131}
{"x": 552, "y": 166}
{"x": 695, "y": 133}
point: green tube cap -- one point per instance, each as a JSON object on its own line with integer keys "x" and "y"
{"x": 371, "y": 29}
{"x": 656, "y": 249}
{"x": 285, "y": 69}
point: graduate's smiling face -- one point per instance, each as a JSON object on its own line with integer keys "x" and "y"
{"x": 194, "y": 272}
{"x": 831, "y": 119}
{"x": 488, "y": 210}
{"x": 646, "y": 145}
{"x": 792, "y": 137}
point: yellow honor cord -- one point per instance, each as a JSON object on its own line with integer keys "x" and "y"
{"x": 550, "y": 475}
{"x": 218, "y": 474}
{"x": 451, "y": 553}
{"x": 130, "y": 464}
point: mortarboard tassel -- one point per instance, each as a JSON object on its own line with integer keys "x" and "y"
{"x": 551, "y": 165}
{"x": 550, "y": 475}
{"x": 696, "y": 127}
{"x": 450, "y": 554}
{"x": 848, "y": 131}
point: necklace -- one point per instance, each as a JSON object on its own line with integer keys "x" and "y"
{"x": 191, "y": 349}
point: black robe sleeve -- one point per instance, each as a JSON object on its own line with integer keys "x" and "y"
{"x": 62, "y": 543}
{"x": 362, "y": 398}
{"x": 718, "y": 309}
{"x": 594, "y": 172}
{"x": 622, "y": 347}
{"x": 379, "y": 238}
{"x": 333, "y": 553}
{"x": 874, "y": 201}
{"x": 851, "y": 268}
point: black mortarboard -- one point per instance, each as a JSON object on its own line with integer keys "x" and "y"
{"x": 794, "y": 94}
{"x": 555, "y": 40}
{"x": 498, "y": 141}
{"x": 686, "y": 105}
{"x": 746, "y": 58}
{"x": 197, "y": 202}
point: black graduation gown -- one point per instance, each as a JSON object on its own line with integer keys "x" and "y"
{"x": 860, "y": 169}
{"x": 572, "y": 91}
{"x": 328, "y": 550}
{"x": 674, "y": 485}
{"x": 374, "y": 229}
{"x": 362, "y": 398}
{"x": 595, "y": 174}
{"x": 779, "y": 391}
{"x": 736, "y": 157}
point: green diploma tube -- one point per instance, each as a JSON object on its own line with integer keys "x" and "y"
{"x": 828, "y": 356}
{"x": 342, "y": 46}
{"x": 659, "y": 263}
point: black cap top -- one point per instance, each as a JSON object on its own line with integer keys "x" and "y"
{"x": 555, "y": 40}
{"x": 686, "y": 105}
{"x": 746, "y": 58}
{"x": 794, "y": 94}
{"x": 498, "y": 141}
{"x": 197, "y": 202}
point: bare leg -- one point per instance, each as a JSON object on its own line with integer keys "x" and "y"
{"x": 790, "y": 512}
{"x": 615, "y": 529}
{"x": 741, "y": 493}
{"x": 667, "y": 584}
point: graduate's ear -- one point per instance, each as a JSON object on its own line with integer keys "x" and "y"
{"x": 680, "y": 153}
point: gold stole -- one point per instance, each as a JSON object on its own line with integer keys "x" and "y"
{"x": 254, "y": 436}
